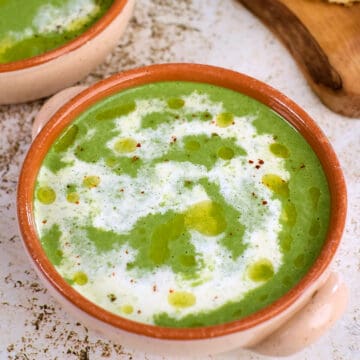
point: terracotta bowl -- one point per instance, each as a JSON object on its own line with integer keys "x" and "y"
{"x": 45, "y": 74}
{"x": 284, "y": 327}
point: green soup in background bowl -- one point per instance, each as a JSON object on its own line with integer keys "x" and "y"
{"x": 173, "y": 202}
{"x": 34, "y": 27}
{"x": 46, "y": 45}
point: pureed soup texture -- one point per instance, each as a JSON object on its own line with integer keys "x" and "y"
{"x": 181, "y": 204}
{"x": 32, "y": 27}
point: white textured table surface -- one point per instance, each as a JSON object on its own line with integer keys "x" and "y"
{"x": 223, "y": 33}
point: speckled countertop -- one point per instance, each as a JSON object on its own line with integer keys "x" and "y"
{"x": 223, "y": 33}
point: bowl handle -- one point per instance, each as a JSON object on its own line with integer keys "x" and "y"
{"x": 52, "y": 105}
{"x": 325, "y": 307}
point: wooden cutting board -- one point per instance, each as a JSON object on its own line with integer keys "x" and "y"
{"x": 325, "y": 41}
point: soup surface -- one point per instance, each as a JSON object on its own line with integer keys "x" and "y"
{"x": 181, "y": 204}
{"x": 32, "y": 27}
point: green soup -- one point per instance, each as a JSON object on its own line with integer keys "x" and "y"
{"x": 181, "y": 204}
{"x": 32, "y": 27}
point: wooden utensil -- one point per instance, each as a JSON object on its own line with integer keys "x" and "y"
{"x": 324, "y": 39}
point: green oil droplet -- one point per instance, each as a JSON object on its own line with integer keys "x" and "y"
{"x": 299, "y": 261}
{"x": 181, "y": 299}
{"x": 225, "y": 153}
{"x": 127, "y": 309}
{"x": 175, "y": 103}
{"x": 116, "y": 111}
{"x": 286, "y": 241}
{"x": 91, "y": 181}
{"x": 224, "y": 119}
{"x": 73, "y": 197}
{"x": 280, "y": 150}
{"x": 276, "y": 184}
{"x": 46, "y": 195}
{"x": 192, "y": 145}
{"x": 206, "y": 217}
{"x": 314, "y": 194}
{"x": 289, "y": 214}
{"x": 67, "y": 139}
{"x": 80, "y": 278}
{"x": 314, "y": 228}
{"x": 262, "y": 270}
{"x": 125, "y": 145}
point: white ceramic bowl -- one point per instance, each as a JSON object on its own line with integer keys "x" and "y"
{"x": 289, "y": 324}
{"x": 45, "y": 74}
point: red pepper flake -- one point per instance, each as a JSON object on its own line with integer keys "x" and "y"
{"x": 171, "y": 291}
{"x": 77, "y": 202}
{"x": 251, "y": 161}
{"x": 126, "y": 251}
{"x": 142, "y": 192}
{"x": 121, "y": 190}
{"x": 139, "y": 311}
{"x": 138, "y": 145}
{"x": 173, "y": 138}
{"x": 135, "y": 158}
{"x": 261, "y": 162}
{"x": 264, "y": 202}
{"x": 233, "y": 123}
{"x": 154, "y": 288}
{"x": 257, "y": 166}
{"x": 44, "y": 221}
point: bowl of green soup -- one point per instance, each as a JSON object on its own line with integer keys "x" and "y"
{"x": 47, "y": 45}
{"x": 187, "y": 209}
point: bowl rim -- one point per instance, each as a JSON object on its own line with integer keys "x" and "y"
{"x": 260, "y": 91}
{"x": 104, "y": 21}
